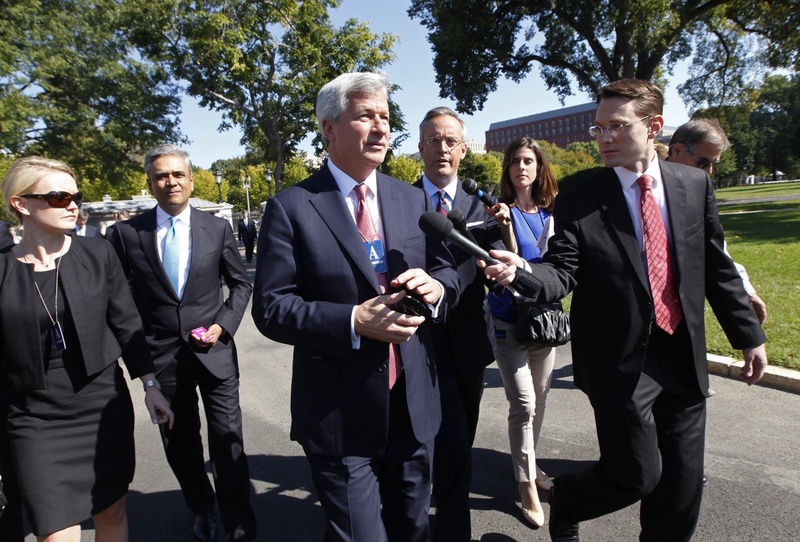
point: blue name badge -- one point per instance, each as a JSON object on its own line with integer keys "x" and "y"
{"x": 376, "y": 255}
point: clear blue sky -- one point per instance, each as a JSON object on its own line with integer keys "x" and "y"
{"x": 413, "y": 71}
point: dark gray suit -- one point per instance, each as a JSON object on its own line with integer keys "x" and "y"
{"x": 647, "y": 388}
{"x": 465, "y": 345}
{"x": 312, "y": 269}
{"x": 181, "y": 367}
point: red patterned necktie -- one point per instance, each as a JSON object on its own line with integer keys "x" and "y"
{"x": 368, "y": 231}
{"x": 666, "y": 304}
{"x": 442, "y": 206}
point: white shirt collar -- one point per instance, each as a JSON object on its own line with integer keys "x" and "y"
{"x": 431, "y": 189}
{"x": 628, "y": 178}
{"x": 162, "y": 216}
{"x": 347, "y": 184}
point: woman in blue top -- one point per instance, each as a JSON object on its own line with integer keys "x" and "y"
{"x": 527, "y": 191}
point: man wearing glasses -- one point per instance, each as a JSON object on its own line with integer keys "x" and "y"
{"x": 700, "y": 143}
{"x": 641, "y": 245}
{"x": 465, "y": 344}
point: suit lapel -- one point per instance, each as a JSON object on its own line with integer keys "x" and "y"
{"x": 462, "y": 200}
{"x": 391, "y": 206}
{"x": 147, "y": 238}
{"x": 329, "y": 204}
{"x": 675, "y": 191}
{"x": 614, "y": 208}
{"x": 198, "y": 234}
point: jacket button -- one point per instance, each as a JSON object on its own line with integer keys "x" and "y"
{"x": 382, "y": 368}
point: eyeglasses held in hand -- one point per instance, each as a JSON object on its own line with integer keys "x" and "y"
{"x": 612, "y": 129}
{"x": 59, "y": 200}
{"x": 436, "y": 142}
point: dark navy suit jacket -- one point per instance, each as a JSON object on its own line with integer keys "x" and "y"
{"x": 468, "y": 334}
{"x": 312, "y": 269}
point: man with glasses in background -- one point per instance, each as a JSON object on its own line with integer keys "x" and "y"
{"x": 465, "y": 344}
{"x": 700, "y": 143}
{"x": 641, "y": 245}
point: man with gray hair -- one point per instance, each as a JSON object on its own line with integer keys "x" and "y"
{"x": 338, "y": 256}
{"x": 176, "y": 259}
{"x": 700, "y": 143}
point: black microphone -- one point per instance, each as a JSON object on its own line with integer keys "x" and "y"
{"x": 436, "y": 226}
{"x": 472, "y": 188}
{"x": 456, "y": 216}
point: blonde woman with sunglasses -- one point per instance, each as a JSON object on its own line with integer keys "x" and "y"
{"x": 66, "y": 316}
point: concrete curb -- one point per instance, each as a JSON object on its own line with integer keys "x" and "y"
{"x": 775, "y": 377}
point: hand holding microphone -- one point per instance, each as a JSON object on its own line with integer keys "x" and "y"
{"x": 437, "y": 226}
{"x": 472, "y": 188}
{"x": 499, "y": 211}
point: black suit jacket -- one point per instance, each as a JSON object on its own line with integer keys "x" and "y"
{"x": 91, "y": 231}
{"x": 6, "y": 240}
{"x": 215, "y": 259}
{"x": 312, "y": 269}
{"x": 247, "y": 234}
{"x": 594, "y": 250}
{"x": 100, "y": 306}
{"x": 468, "y": 333}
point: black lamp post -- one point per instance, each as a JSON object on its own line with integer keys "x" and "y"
{"x": 268, "y": 177}
{"x": 218, "y": 178}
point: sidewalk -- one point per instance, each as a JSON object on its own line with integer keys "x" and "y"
{"x": 775, "y": 377}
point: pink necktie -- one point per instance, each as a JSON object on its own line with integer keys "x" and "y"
{"x": 368, "y": 231}
{"x": 666, "y": 304}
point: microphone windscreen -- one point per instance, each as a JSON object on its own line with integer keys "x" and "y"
{"x": 470, "y": 186}
{"x": 456, "y": 216}
{"x": 435, "y": 225}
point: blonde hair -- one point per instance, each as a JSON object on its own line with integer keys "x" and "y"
{"x": 24, "y": 173}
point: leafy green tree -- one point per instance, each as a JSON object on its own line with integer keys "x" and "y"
{"x": 73, "y": 88}
{"x": 777, "y": 118}
{"x": 484, "y": 168}
{"x": 763, "y": 130}
{"x": 259, "y": 63}
{"x": 403, "y": 167}
{"x": 591, "y": 43}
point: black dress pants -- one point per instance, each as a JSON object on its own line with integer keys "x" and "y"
{"x": 184, "y": 446}
{"x": 651, "y": 448}
{"x": 461, "y": 392}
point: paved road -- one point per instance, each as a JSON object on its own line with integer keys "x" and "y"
{"x": 752, "y": 461}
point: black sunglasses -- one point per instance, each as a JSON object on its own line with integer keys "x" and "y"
{"x": 702, "y": 162}
{"x": 59, "y": 200}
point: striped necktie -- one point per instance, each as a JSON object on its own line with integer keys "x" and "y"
{"x": 442, "y": 207}
{"x": 369, "y": 233}
{"x": 666, "y": 304}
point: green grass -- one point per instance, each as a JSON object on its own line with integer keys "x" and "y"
{"x": 758, "y": 191}
{"x": 767, "y": 243}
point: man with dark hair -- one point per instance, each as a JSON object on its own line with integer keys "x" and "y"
{"x": 700, "y": 143}
{"x": 465, "y": 344}
{"x": 337, "y": 253}
{"x": 177, "y": 259}
{"x": 641, "y": 245}
{"x": 82, "y": 229}
{"x": 119, "y": 216}
{"x": 247, "y": 235}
